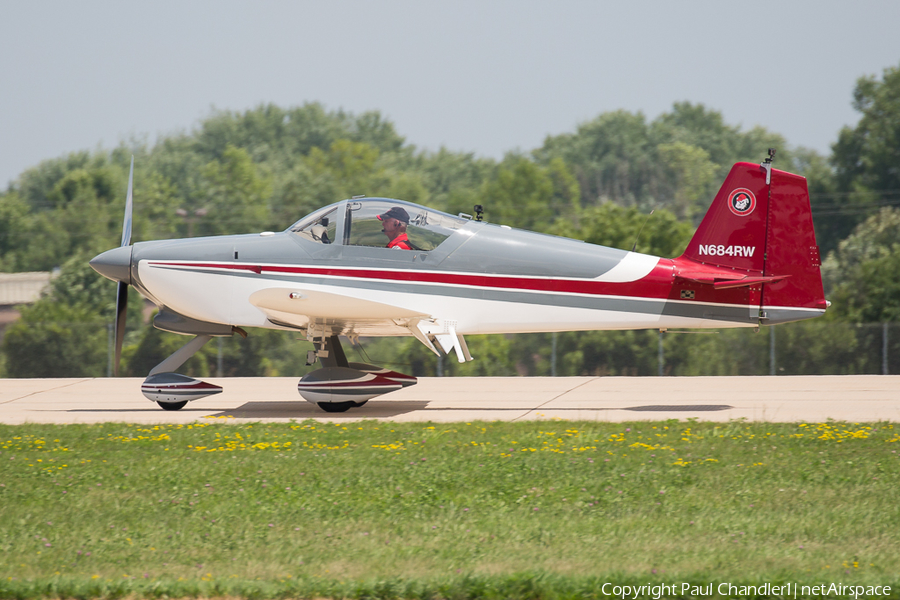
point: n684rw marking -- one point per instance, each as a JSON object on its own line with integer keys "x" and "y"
{"x": 721, "y": 250}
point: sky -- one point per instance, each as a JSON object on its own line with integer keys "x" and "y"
{"x": 485, "y": 77}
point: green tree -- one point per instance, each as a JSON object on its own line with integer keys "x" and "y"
{"x": 263, "y": 353}
{"x": 345, "y": 169}
{"x": 701, "y": 127}
{"x": 869, "y": 154}
{"x": 492, "y": 356}
{"x": 352, "y": 164}
{"x": 72, "y": 202}
{"x": 522, "y": 193}
{"x": 236, "y": 195}
{"x": 860, "y": 277}
{"x": 156, "y": 203}
{"x": 70, "y": 326}
{"x": 611, "y": 157}
{"x": 299, "y": 191}
{"x": 279, "y": 137}
{"x": 619, "y": 156}
{"x": 617, "y": 227}
{"x": 56, "y": 340}
{"x": 692, "y": 172}
{"x": 452, "y": 179}
{"x": 519, "y": 194}
{"x": 37, "y": 184}
{"x": 612, "y": 353}
{"x": 867, "y": 157}
{"x": 14, "y": 226}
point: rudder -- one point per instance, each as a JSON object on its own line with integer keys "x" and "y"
{"x": 792, "y": 252}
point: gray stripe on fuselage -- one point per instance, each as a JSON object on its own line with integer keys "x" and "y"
{"x": 776, "y": 316}
{"x": 650, "y": 306}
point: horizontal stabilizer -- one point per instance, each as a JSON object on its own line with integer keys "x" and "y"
{"x": 724, "y": 281}
{"x": 724, "y": 285}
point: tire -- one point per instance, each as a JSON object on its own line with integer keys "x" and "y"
{"x": 173, "y": 405}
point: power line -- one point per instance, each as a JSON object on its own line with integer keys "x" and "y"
{"x": 853, "y": 210}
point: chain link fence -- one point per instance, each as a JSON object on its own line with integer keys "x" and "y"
{"x": 814, "y": 347}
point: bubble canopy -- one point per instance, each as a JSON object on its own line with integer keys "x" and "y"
{"x": 355, "y": 222}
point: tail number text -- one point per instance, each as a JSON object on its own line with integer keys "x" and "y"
{"x": 720, "y": 250}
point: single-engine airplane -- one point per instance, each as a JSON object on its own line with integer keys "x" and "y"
{"x": 753, "y": 261}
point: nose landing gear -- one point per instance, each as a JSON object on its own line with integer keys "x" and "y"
{"x": 172, "y": 391}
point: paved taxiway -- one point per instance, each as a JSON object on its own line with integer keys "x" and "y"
{"x": 853, "y": 398}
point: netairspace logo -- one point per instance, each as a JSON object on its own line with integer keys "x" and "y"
{"x": 785, "y": 590}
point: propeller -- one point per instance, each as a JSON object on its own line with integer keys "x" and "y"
{"x": 122, "y": 287}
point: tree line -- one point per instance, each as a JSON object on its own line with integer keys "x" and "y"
{"x": 264, "y": 168}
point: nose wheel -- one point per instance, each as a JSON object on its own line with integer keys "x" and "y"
{"x": 172, "y": 391}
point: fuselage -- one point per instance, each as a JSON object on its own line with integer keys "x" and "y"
{"x": 486, "y": 278}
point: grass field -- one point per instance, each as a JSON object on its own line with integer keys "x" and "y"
{"x": 551, "y": 509}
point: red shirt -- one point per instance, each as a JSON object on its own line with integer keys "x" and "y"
{"x": 401, "y": 241}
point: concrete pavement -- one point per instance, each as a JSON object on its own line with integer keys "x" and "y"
{"x": 854, "y": 398}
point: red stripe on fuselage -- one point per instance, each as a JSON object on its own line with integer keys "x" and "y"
{"x": 658, "y": 284}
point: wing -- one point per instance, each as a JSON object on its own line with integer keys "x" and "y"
{"x": 354, "y": 316}
{"x": 345, "y": 314}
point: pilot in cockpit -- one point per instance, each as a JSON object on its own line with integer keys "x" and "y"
{"x": 394, "y": 224}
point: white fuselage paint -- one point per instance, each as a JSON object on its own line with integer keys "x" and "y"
{"x": 633, "y": 267}
{"x": 219, "y": 296}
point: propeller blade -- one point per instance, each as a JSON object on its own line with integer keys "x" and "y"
{"x": 121, "y": 309}
{"x": 122, "y": 287}
{"x": 126, "y": 226}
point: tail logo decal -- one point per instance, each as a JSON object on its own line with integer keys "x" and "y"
{"x": 742, "y": 202}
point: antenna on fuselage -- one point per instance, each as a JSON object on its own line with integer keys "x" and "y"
{"x": 641, "y": 230}
{"x": 479, "y": 212}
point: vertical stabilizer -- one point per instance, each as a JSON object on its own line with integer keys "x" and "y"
{"x": 759, "y": 228}
{"x": 733, "y": 232}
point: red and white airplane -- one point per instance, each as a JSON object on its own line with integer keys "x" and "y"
{"x": 753, "y": 261}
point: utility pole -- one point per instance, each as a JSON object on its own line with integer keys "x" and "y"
{"x": 553, "y": 355}
{"x": 661, "y": 357}
{"x": 771, "y": 350}
{"x": 110, "y": 344}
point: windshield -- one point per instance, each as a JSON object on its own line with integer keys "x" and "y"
{"x": 318, "y": 227}
{"x": 375, "y": 223}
